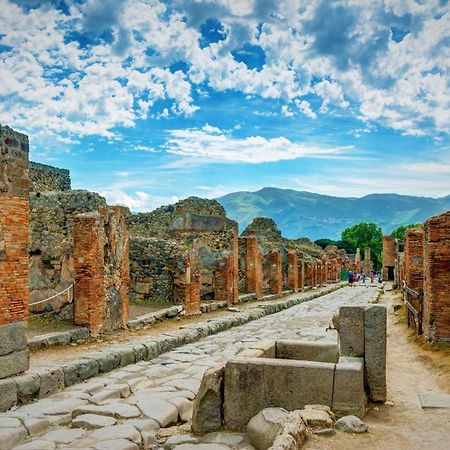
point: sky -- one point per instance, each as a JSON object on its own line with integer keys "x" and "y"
{"x": 149, "y": 101}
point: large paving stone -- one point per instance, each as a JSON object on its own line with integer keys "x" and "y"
{"x": 351, "y": 330}
{"x": 93, "y": 421}
{"x": 117, "y": 432}
{"x": 13, "y": 337}
{"x": 35, "y": 426}
{"x": 375, "y": 335}
{"x": 63, "y": 435}
{"x": 184, "y": 407}
{"x": 8, "y": 394}
{"x": 207, "y": 412}
{"x": 201, "y": 447}
{"x": 28, "y": 386}
{"x": 36, "y": 444}
{"x": 52, "y": 380}
{"x": 10, "y": 437}
{"x": 307, "y": 350}
{"x": 116, "y": 444}
{"x": 160, "y": 410}
{"x": 117, "y": 410}
{"x": 63, "y": 406}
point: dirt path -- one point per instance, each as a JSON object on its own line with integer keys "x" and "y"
{"x": 411, "y": 368}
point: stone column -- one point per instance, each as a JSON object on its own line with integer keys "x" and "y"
{"x": 235, "y": 281}
{"x": 14, "y": 237}
{"x": 301, "y": 271}
{"x": 276, "y": 275}
{"x": 436, "y": 316}
{"x": 186, "y": 289}
{"x": 389, "y": 257}
{"x": 358, "y": 260}
{"x": 89, "y": 264}
{"x": 367, "y": 263}
{"x": 224, "y": 280}
{"x": 254, "y": 267}
{"x": 293, "y": 270}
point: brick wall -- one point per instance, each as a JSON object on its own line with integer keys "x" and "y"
{"x": 276, "y": 275}
{"x": 436, "y": 317}
{"x": 254, "y": 267}
{"x": 187, "y": 284}
{"x": 14, "y": 236}
{"x": 301, "y": 273}
{"x": 101, "y": 270}
{"x": 292, "y": 274}
{"x": 389, "y": 256}
{"x": 413, "y": 258}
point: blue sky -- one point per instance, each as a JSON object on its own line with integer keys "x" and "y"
{"x": 149, "y": 101}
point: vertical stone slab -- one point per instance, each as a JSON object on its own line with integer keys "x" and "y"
{"x": 351, "y": 331}
{"x": 367, "y": 263}
{"x": 254, "y": 267}
{"x": 235, "y": 274}
{"x": 436, "y": 316}
{"x": 276, "y": 274}
{"x": 14, "y": 237}
{"x": 301, "y": 273}
{"x": 375, "y": 336}
{"x": 358, "y": 260}
{"x": 293, "y": 270}
{"x": 89, "y": 292}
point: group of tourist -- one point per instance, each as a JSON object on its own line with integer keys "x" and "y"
{"x": 362, "y": 277}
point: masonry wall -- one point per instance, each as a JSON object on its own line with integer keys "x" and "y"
{"x": 389, "y": 255}
{"x": 47, "y": 178}
{"x": 413, "y": 258}
{"x": 101, "y": 270}
{"x": 436, "y": 315}
{"x": 14, "y": 236}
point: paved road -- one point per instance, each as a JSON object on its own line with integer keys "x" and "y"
{"x": 124, "y": 409}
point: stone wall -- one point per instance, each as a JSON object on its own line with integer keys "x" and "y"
{"x": 436, "y": 314}
{"x": 45, "y": 178}
{"x": 51, "y": 249}
{"x": 101, "y": 266}
{"x": 389, "y": 258}
{"x": 14, "y": 236}
{"x": 413, "y": 258}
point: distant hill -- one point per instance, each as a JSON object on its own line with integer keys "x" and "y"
{"x": 316, "y": 216}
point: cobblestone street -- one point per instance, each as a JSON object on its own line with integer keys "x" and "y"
{"x": 125, "y": 408}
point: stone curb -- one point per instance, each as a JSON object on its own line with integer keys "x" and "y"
{"x": 77, "y": 335}
{"x": 44, "y": 382}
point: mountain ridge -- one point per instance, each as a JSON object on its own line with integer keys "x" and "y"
{"x": 312, "y": 215}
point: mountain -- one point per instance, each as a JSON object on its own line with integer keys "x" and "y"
{"x": 316, "y": 216}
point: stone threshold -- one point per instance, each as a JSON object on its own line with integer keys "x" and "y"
{"x": 43, "y": 382}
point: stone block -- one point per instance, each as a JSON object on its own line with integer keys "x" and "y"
{"x": 375, "y": 336}
{"x": 349, "y": 396}
{"x": 307, "y": 350}
{"x": 13, "y": 337}
{"x": 142, "y": 288}
{"x": 11, "y": 437}
{"x": 52, "y": 380}
{"x": 28, "y": 387}
{"x": 14, "y": 363}
{"x": 207, "y": 412}
{"x": 252, "y": 384}
{"x": 267, "y": 347}
{"x": 8, "y": 394}
{"x": 351, "y": 330}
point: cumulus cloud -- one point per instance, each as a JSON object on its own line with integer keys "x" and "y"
{"x": 204, "y": 146}
{"x": 138, "y": 201}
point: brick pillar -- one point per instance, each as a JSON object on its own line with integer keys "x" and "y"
{"x": 389, "y": 257}
{"x": 235, "y": 282}
{"x": 14, "y": 236}
{"x": 254, "y": 267}
{"x": 358, "y": 260}
{"x": 223, "y": 280}
{"x": 293, "y": 270}
{"x": 367, "y": 264}
{"x": 89, "y": 292}
{"x": 315, "y": 273}
{"x": 436, "y": 317}
{"x": 276, "y": 274}
{"x": 186, "y": 290}
{"x": 301, "y": 273}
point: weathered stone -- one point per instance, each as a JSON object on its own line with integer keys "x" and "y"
{"x": 63, "y": 406}
{"x": 225, "y": 438}
{"x": 351, "y": 424}
{"x": 307, "y": 350}
{"x": 9, "y": 422}
{"x": 179, "y": 439}
{"x": 293, "y": 434}
{"x": 116, "y": 444}
{"x": 375, "y": 336}
{"x": 108, "y": 361}
{"x": 92, "y": 421}
{"x": 317, "y": 419}
{"x": 263, "y": 428}
{"x": 36, "y": 427}
{"x": 349, "y": 397}
{"x": 63, "y": 436}
{"x": 184, "y": 407}
{"x": 117, "y": 410}
{"x": 8, "y": 394}
{"x": 201, "y": 447}
{"x": 434, "y": 400}
{"x": 52, "y": 380}
{"x": 351, "y": 330}
{"x": 117, "y": 432}
{"x": 28, "y": 387}
{"x": 14, "y": 363}
{"x": 160, "y": 410}
{"x": 10, "y": 437}
{"x": 143, "y": 424}
{"x": 207, "y": 412}
{"x": 36, "y": 444}
{"x": 13, "y": 337}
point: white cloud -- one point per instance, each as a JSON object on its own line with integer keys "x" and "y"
{"x": 200, "y": 146}
{"x": 138, "y": 201}
{"x": 305, "y": 108}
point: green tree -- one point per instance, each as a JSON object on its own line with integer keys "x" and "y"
{"x": 346, "y": 245}
{"x": 399, "y": 232}
{"x": 366, "y": 235}
{"x": 324, "y": 242}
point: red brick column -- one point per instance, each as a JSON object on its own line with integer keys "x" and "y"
{"x": 235, "y": 281}
{"x": 389, "y": 257}
{"x": 301, "y": 273}
{"x": 89, "y": 292}
{"x": 276, "y": 275}
{"x": 315, "y": 277}
{"x": 293, "y": 270}
{"x": 186, "y": 289}
{"x": 436, "y": 317}
{"x": 254, "y": 267}
{"x": 223, "y": 280}
{"x": 367, "y": 263}
{"x": 14, "y": 236}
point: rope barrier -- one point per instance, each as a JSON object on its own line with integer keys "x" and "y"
{"x": 69, "y": 296}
